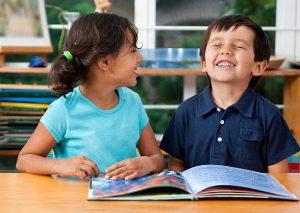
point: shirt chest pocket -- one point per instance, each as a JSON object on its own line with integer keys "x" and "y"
{"x": 251, "y": 135}
{"x": 250, "y": 140}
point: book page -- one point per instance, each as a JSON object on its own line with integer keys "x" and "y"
{"x": 205, "y": 176}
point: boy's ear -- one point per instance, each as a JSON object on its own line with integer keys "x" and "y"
{"x": 203, "y": 65}
{"x": 259, "y": 68}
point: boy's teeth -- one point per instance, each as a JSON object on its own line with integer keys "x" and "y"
{"x": 223, "y": 64}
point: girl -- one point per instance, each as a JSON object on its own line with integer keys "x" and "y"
{"x": 97, "y": 125}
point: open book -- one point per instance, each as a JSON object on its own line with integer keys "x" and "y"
{"x": 206, "y": 181}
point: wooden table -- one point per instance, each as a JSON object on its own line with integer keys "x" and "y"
{"x": 34, "y": 193}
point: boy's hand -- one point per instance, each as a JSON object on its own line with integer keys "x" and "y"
{"x": 79, "y": 166}
{"x": 130, "y": 168}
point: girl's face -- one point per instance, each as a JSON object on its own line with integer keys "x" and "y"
{"x": 124, "y": 66}
{"x": 229, "y": 56}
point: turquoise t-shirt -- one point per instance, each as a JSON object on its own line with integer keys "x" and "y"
{"x": 105, "y": 136}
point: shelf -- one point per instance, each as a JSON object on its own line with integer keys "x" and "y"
{"x": 26, "y": 49}
{"x": 9, "y": 152}
{"x": 280, "y": 72}
{"x": 24, "y": 87}
{"x": 23, "y": 68}
{"x": 37, "y": 50}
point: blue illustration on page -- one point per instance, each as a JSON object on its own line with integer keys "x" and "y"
{"x": 103, "y": 188}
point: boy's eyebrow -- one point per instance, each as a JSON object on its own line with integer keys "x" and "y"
{"x": 235, "y": 40}
{"x": 242, "y": 41}
{"x": 215, "y": 39}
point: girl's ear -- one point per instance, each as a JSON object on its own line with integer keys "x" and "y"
{"x": 259, "y": 68}
{"x": 203, "y": 65}
{"x": 103, "y": 64}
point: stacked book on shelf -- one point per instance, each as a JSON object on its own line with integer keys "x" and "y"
{"x": 294, "y": 163}
{"x": 24, "y": 97}
{"x": 21, "y": 107}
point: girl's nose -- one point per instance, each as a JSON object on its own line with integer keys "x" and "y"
{"x": 140, "y": 56}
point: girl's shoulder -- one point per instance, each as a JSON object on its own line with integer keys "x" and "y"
{"x": 127, "y": 92}
{"x": 67, "y": 100}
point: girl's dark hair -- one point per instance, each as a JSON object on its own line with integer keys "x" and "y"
{"x": 261, "y": 45}
{"x": 91, "y": 37}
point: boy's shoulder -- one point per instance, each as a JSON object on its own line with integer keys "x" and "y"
{"x": 265, "y": 104}
{"x": 189, "y": 102}
{"x": 200, "y": 100}
{"x": 255, "y": 106}
{"x": 191, "y": 105}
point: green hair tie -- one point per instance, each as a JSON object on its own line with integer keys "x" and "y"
{"x": 68, "y": 55}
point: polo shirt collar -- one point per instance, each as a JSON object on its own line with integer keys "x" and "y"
{"x": 245, "y": 104}
{"x": 205, "y": 104}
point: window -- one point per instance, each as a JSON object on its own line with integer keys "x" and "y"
{"x": 180, "y": 23}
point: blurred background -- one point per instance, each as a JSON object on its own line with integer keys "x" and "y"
{"x": 165, "y": 24}
{"x": 169, "y": 90}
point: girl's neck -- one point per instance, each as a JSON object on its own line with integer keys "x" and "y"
{"x": 225, "y": 95}
{"x": 104, "y": 98}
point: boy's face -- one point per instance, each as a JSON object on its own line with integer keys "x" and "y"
{"x": 229, "y": 56}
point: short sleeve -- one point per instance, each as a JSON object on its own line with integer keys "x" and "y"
{"x": 55, "y": 120}
{"x": 280, "y": 141}
{"x": 143, "y": 118}
{"x": 173, "y": 138}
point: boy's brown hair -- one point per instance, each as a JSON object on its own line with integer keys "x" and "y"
{"x": 261, "y": 46}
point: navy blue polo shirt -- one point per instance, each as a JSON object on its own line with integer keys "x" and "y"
{"x": 250, "y": 134}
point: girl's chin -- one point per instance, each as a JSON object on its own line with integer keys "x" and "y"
{"x": 132, "y": 83}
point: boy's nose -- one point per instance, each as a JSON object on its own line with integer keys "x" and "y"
{"x": 225, "y": 51}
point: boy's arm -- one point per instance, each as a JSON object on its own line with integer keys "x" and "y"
{"x": 176, "y": 164}
{"x": 281, "y": 166}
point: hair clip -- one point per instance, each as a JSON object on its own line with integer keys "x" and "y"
{"x": 68, "y": 55}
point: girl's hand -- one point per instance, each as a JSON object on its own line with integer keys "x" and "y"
{"x": 79, "y": 166}
{"x": 130, "y": 168}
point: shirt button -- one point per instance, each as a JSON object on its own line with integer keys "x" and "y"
{"x": 219, "y": 139}
{"x": 218, "y": 109}
{"x": 222, "y": 122}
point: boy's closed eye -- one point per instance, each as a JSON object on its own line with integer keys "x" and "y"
{"x": 239, "y": 47}
{"x": 216, "y": 45}
{"x": 240, "y": 44}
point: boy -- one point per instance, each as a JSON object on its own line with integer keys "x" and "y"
{"x": 228, "y": 123}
